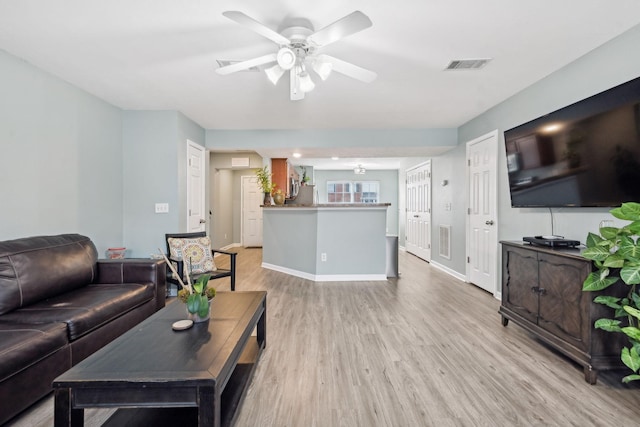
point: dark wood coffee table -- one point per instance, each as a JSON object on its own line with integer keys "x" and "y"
{"x": 163, "y": 377}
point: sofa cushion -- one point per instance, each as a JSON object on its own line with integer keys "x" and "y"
{"x": 85, "y": 309}
{"x": 36, "y": 268}
{"x": 22, "y": 345}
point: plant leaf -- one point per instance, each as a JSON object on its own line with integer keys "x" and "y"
{"x": 608, "y": 325}
{"x": 614, "y": 261}
{"x": 203, "y": 310}
{"x": 592, "y": 240}
{"x": 596, "y": 253}
{"x": 597, "y": 281}
{"x": 609, "y": 233}
{"x": 630, "y": 358}
{"x": 635, "y": 298}
{"x": 632, "y": 311}
{"x": 609, "y": 301}
{"x": 629, "y": 211}
{"x": 630, "y": 275}
{"x": 632, "y": 332}
{"x": 628, "y": 249}
{"x": 193, "y": 303}
{"x": 634, "y": 227}
{"x": 630, "y": 378}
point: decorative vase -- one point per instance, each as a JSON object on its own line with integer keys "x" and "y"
{"x": 267, "y": 199}
{"x": 196, "y": 318}
{"x": 278, "y": 198}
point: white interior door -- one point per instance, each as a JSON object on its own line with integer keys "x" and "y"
{"x": 252, "y": 198}
{"x": 418, "y": 206}
{"x": 196, "y": 218}
{"x": 482, "y": 235}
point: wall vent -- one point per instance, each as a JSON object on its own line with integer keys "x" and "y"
{"x": 445, "y": 241}
{"x": 239, "y": 162}
{"x": 467, "y": 64}
{"x": 225, "y": 62}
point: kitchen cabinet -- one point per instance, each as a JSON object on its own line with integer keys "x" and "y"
{"x": 542, "y": 292}
{"x": 283, "y": 173}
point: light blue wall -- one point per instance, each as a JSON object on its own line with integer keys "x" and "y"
{"x": 155, "y": 147}
{"x": 388, "y": 180}
{"x": 609, "y": 65}
{"x": 295, "y": 239}
{"x": 60, "y": 158}
{"x": 290, "y": 238}
{"x": 354, "y": 242}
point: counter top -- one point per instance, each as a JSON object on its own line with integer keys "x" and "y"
{"x": 330, "y": 205}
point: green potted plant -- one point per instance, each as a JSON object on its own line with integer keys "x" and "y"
{"x": 264, "y": 181}
{"x": 615, "y": 252}
{"x": 197, "y": 295}
{"x": 305, "y": 179}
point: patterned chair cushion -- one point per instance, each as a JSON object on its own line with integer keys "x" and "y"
{"x": 195, "y": 252}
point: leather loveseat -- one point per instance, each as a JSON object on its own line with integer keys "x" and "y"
{"x": 59, "y": 304}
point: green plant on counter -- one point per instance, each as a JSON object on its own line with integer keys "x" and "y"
{"x": 615, "y": 253}
{"x": 305, "y": 178}
{"x": 264, "y": 180}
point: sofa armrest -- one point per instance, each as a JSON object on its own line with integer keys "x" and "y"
{"x": 135, "y": 270}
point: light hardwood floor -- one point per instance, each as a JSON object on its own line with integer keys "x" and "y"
{"x": 422, "y": 350}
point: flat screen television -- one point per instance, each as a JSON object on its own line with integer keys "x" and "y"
{"x": 584, "y": 155}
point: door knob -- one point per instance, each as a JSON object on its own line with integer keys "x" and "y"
{"x": 490, "y": 222}
{"x": 202, "y": 221}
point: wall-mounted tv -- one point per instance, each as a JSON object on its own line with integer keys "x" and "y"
{"x": 584, "y": 155}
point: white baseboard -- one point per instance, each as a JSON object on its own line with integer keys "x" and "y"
{"x": 326, "y": 277}
{"x": 449, "y": 271}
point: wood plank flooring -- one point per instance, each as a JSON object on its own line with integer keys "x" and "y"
{"x": 422, "y": 350}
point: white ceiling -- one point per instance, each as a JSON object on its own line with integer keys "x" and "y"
{"x": 161, "y": 55}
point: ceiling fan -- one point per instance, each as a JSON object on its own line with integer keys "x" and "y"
{"x": 298, "y": 51}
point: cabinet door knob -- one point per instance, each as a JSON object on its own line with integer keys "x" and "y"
{"x": 490, "y": 222}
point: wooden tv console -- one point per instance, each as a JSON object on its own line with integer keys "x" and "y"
{"x": 542, "y": 292}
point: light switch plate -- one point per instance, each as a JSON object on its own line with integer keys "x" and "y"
{"x": 162, "y": 207}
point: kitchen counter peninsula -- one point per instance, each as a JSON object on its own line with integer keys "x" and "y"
{"x": 326, "y": 242}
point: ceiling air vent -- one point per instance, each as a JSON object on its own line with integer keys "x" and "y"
{"x": 225, "y": 62}
{"x": 467, "y": 64}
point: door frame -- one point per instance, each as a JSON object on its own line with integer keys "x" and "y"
{"x": 494, "y": 134}
{"x": 190, "y": 144}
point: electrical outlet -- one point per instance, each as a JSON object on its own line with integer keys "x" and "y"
{"x": 323, "y": 257}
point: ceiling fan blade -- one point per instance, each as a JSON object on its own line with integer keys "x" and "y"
{"x": 350, "y": 24}
{"x": 244, "y": 65}
{"x": 349, "y": 69}
{"x": 295, "y": 93}
{"x": 256, "y": 26}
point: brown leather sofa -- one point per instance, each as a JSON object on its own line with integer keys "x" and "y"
{"x": 59, "y": 304}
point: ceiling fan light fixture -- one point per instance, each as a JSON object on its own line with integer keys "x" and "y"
{"x": 322, "y": 68}
{"x": 286, "y": 58}
{"x": 274, "y": 73}
{"x": 306, "y": 84}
